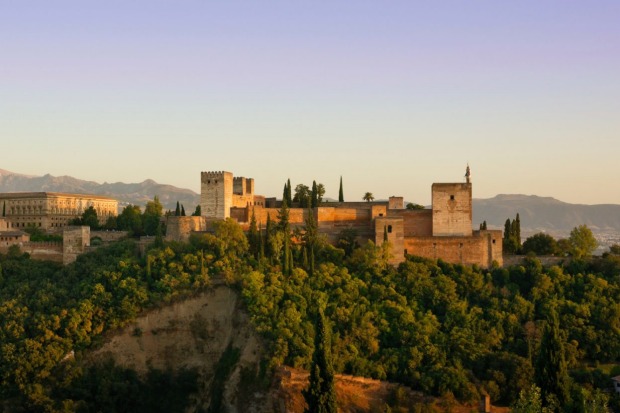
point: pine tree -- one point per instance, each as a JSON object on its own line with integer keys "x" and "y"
{"x": 340, "y": 192}
{"x": 177, "y": 212}
{"x": 321, "y": 393}
{"x": 551, "y": 369}
{"x": 182, "y": 210}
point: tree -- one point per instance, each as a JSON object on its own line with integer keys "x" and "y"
{"x": 321, "y": 392}
{"x": 368, "y": 197}
{"x": 614, "y": 249}
{"x": 320, "y": 193}
{"x": 4, "y": 209}
{"x": 540, "y": 244}
{"x": 411, "y": 205}
{"x": 582, "y": 242}
{"x": 152, "y": 215}
{"x": 253, "y": 237}
{"x": 182, "y": 210}
{"x": 89, "y": 218}
{"x": 197, "y": 212}
{"x": 512, "y": 236}
{"x": 529, "y": 402}
{"x": 314, "y": 198}
{"x": 177, "y": 211}
{"x": 483, "y": 226}
{"x": 302, "y": 195}
{"x": 130, "y": 220}
{"x": 340, "y": 192}
{"x": 551, "y": 369}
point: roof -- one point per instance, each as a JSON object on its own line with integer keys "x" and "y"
{"x": 617, "y": 378}
{"x": 22, "y": 195}
{"x": 12, "y": 233}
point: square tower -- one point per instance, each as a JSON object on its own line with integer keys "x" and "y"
{"x": 452, "y": 209}
{"x": 216, "y": 194}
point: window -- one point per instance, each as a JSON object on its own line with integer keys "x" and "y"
{"x": 389, "y": 229}
{"x": 493, "y": 241}
{"x": 451, "y": 197}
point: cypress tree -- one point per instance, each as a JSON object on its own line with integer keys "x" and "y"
{"x": 253, "y": 236}
{"x": 507, "y": 229}
{"x": 340, "y": 192}
{"x": 321, "y": 393}
{"x": 283, "y": 217}
{"x": 289, "y": 193}
{"x": 182, "y": 210}
{"x": 314, "y": 199}
{"x": 268, "y": 238}
{"x": 261, "y": 245}
{"x": 4, "y": 209}
{"x": 517, "y": 233}
{"x": 385, "y": 236}
{"x": 197, "y": 212}
{"x": 177, "y": 212}
{"x": 551, "y": 369}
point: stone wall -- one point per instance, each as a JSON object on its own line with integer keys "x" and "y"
{"x": 456, "y": 250}
{"x": 75, "y": 240}
{"x": 109, "y": 236}
{"x": 416, "y": 222}
{"x": 179, "y": 228}
{"x": 393, "y": 226}
{"x": 452, "y": 210}
{"x": 396, "y": 202}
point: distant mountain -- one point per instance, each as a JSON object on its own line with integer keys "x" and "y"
{"x": 137, "y": 193}
{"x": 546, "y": 214}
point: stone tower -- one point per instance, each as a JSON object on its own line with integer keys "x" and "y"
{"x": 216, "y": 194}
{"x": 452, "y": 210}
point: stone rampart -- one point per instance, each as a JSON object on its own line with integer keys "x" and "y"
{"x": 179, "y": 228}
{"x": 109, "y": 236}
{"x": 416, "y": 222}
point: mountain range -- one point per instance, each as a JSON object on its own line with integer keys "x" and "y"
{"x": 536, "y": 213}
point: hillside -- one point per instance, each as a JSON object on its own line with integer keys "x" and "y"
{"x": 195, "y": 333}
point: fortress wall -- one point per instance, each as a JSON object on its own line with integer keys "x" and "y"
{"x": 180, "y": 228}
{"x": 394, "y": 228}
{"x": 74, "y": 242}
{"x": 109, "y": 236}
{"x": 416, "y": 222}
{"x": 455, "y": 250}
{"x": 242, "y": 201}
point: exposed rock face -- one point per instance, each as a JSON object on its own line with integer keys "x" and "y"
{"x": 193, "y": 334}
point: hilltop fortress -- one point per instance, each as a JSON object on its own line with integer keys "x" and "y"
{"x": 445, "y": 231}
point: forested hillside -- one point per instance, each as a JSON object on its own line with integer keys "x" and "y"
{"x": 443, "y": 329}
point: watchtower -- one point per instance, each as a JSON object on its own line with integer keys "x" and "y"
{"x": 452, "y": 210}
{"x": 216, "y": 194}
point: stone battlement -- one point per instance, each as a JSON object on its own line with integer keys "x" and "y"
{"x": 205, "y": 176}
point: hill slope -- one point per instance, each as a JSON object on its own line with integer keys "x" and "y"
{"x": 546, "y": 213}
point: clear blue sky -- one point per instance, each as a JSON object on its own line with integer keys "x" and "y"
{"x": 392, "y": 95}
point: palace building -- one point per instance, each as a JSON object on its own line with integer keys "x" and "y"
{"x": 52, "y": 210}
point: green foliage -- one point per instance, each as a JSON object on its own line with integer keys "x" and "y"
{"x": 197, "y": 212}
{"x": 582, "y": 242}
{"x": 88, "y": 218}
{"x": 512, "y": 236}
{"x": 368, "y": 197}
{"x": 130, "y": 220}
{"x": 541, "y": 244}
{"x": 411, "y": 205}
{"x": 152, "y": 216}
{"x": 551, "y": 368}
{"x": 182, "y": 211}
{"x": 340, "y": 192}
{"x": 321, "y": 392}
{"x": 530, "y": 402}
{"x": 177, "y": 211}
{"x": 302, "y": 196}
{"x": 38, "y": 235}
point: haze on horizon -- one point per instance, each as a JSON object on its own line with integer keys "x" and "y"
{"x": 391, "y": 96}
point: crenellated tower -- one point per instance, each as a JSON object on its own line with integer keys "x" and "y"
{"x": 216, "y": 194}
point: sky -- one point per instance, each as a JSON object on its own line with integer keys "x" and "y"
{"x": 390, "y": 95}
